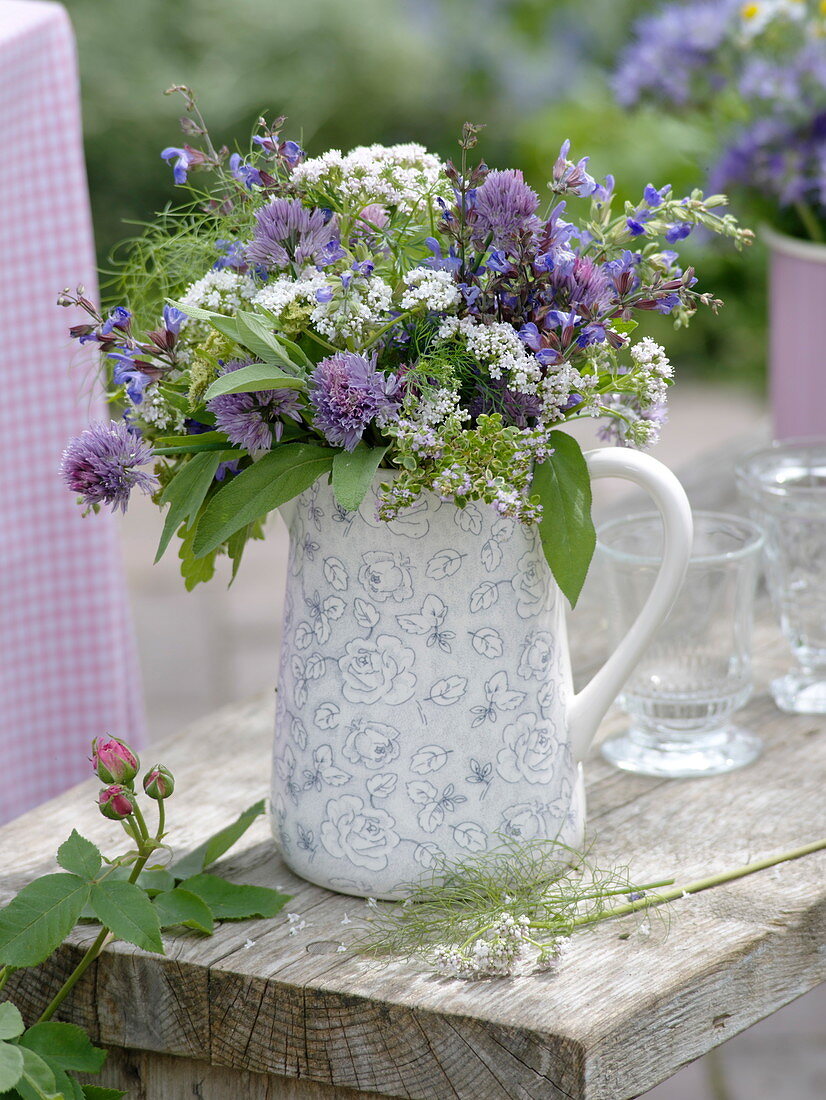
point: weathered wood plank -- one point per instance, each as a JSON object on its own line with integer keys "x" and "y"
{"x": 619, "y": 1015}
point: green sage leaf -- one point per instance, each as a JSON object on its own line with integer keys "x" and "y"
{"x": 229, "y": 901}
{"x": 11, "y": 1066}
{"x": 279, "y": 476}
{"x": 80, "y": 856}
{"x": 191, "y": 444}
{"x": 126, "y": 910}
{"x": 257, "y": 333}
{"x": 566, "y": 529}
{"x": 186, "y": 491}
{"x": 35, "y": 923}
{"x": 181, "y": 906}
{"x": 353, "y": 473}
{"x": 225, "y": 325}
{"x": 11, "y": 1022}
{"x": 66, "y": 1046}
{"x": 95, "y": 1092}
{"x": 219, "y": 843}
{"x": 251, "y": 379}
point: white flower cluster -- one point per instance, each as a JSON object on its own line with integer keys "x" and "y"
{"x": 222, "y": 290}
{"x": 394, "y": 175}
{"x": 165, "y": 417}
{"x": 498, "y": 347}
{"x": 494, "y": 955}
{"x": 362, "y": 307}
{"x": 653, "y": 370}
{"x": 556, "y": 388}
{"x": 435, "y": 290}
{"x": 282, "y": 293}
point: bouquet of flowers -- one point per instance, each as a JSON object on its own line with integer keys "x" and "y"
{"x": 758, "y": 72}
{"x": 380, "y": 309}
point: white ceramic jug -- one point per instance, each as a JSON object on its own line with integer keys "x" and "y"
{"x": 425, "y": 703}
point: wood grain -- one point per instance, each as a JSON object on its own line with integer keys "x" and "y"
{"x": 252, "y": 1008}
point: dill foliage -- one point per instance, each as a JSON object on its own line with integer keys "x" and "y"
{"x": 480, "y": 916}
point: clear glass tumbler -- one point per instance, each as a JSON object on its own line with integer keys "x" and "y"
{"x": 784, "y": 486}
{"x": 696, "y": 672}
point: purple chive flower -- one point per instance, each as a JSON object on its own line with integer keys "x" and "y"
{"x": 287, "y": 232}
{"x": 347, "y": 393}
{"x": 101, "y": 464}
{"x": 243, "y": 172}
{"x": 504, "y": 206}
{"x": 253, "y": 420}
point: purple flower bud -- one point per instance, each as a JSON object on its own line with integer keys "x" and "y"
{"x": 173, "y": 319}
{"x": 678, "y": 231}
{"x": 119, "y": 318}
{"x": 116, "y": 802}
{"x": 113, "y": 761}
{"x": 158, "y": 783}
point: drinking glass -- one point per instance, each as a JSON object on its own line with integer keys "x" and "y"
{"x": 784, "y": 486}
{"x": 696, "y": 672}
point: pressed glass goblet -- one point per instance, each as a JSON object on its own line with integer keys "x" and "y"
{"x": 784, "y": 486}
{"x": 696, "y": 672}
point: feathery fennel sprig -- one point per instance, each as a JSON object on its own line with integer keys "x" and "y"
{"x": 487, "y": 915}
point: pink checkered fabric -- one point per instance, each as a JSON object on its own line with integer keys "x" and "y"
{"x": 68, "y": 669}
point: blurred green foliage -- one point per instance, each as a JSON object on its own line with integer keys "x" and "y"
{"x": 350, "y": 72}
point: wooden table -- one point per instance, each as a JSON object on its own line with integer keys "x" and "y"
{"x": 255, "y": 1012}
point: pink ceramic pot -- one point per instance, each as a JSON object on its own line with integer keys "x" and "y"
{"x": 797, "y": 336}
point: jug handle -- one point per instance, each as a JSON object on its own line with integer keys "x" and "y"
{"x": 588, "y": 706}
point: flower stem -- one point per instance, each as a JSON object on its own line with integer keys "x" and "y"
{"x": 698, "y": 886}
{"x": 810, "y": 222}
{"x": 94, "y": 950}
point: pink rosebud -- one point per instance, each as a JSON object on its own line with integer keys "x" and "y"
{"x": 158, "y": 783}
{"x": 113, "y": 761}
{"x": 116, "y": 802}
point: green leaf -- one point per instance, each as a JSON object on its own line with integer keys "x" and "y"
{"x": 251, "y": 379}
{"x": 279, "y": 476}
{"x": 296, "y": 353}
{"x": 256, "y": 333}
{"x": 36, "y": 922}
{"x": 181, "y": 906}
{"x": 624, "y": 327}
{"x": 126, "y": 910}
{"x": 68, "y": 1086}
{"x": 228, "y": 901}
{"x": 353, "y": 473}
{"x": 95, "y": 1092}
{"x": 191, "y": 444}
{"x": 219, "y": 321}
{"x": 194, "y": 570}
{"x": 37, "y": 1082}
{"x": 66, "y": 1046}
{"x": 212, "y": 849}
{"x": 80, "y": 856}
{"x": 186, "y": 491}
{"x": 11, "y": 1066}
{"x": 11, "y": 1022}
{"x": 566, "y": 529}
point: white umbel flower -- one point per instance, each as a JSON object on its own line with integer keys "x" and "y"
{"x": 435, "y": 290}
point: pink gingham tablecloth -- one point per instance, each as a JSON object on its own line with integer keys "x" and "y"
{"x": 68, "y": 668}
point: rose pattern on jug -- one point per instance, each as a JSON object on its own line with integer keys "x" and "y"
{"x": 422, "y": 695}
